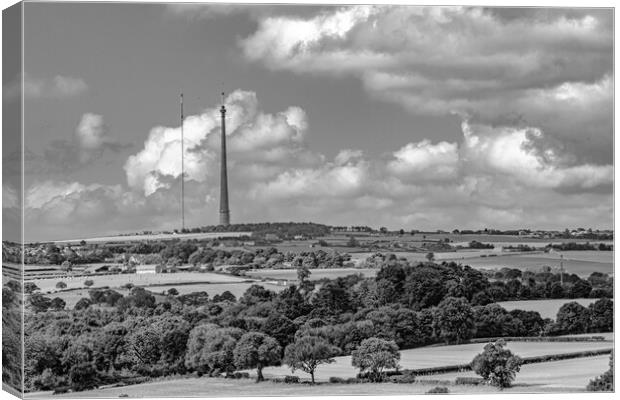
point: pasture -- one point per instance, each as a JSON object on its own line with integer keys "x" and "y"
{"x": 574, "y": 373}
{"x": 437, "y": 356}
{"x": 118, "y": 280}
{"x": 156, "y": 236}
{"x": 547, "y": 308}
{"x": 219, "y": 387}
{"x": 315, "y": 274}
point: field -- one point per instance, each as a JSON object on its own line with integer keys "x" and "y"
{"x": 436, "y": 356}
{"x": 157, "y": 236}
{"x": 557, "y": 376}
{"x": 546, "y": 308}
{"x": 573, "y": 373}
{"x": 219, "y": 387}
{"x": 118, "y": 280}
{"x": 291, "y": 274}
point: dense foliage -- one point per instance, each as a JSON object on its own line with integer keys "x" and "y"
{"x": 109, "y": 337}
{"x": 498, "y": 366}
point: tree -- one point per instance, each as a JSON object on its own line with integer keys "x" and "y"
{"x": 30, "y": 288}
{"x": 38, "y": 302}
{"x": 257, "y": 350}
{"x": 61, "y": 285}
{"x": 210, "y": 348}
{"x": 605, "y": 382}
{"x": 303, "y": 272}
{"x": 573, "y": 318}
{"x": 430, "y": 257}
{"x": 308, "y": 352}
{"x": 454, "y": 318}
{"x": 57, "y": 304}
{"x": 66, "y": 266}
{"x": 172, "y": 292}
{"x": 498, "y": 366}
{"x": 89, "y": 283}
{"x": 82, "y": 304}
{"x": 375, "y": 356}
{"x": 602, "y": 315}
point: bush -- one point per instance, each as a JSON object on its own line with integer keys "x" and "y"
{"x": 336, "y": 379}
{"x": 406, "y": 378}
{"x": 438, "y": 390}
{"x": 605, "y": 382}
{"x": 354, "y": 380}
{"x": 466, "y": 380}
{"x": 291, "y": 379}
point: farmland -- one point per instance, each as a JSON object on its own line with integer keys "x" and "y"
{"x": 157, "y": 236}
{"x": 118, "y": 280}
{"x": 437, "y": 356}
{"x": 557, "y": 376}
{"x": 220, "y": 387}
{"x": 546, "y": 308}
{"x": 291, "y": 274}
{"x": 573, "y": 373}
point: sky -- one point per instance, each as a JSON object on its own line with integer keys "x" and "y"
{"x": 398, "y": 116}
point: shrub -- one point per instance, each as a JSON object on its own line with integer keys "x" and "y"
{"x": 354, "y": 380}
{"x": 336, "y": 379}
{"x": 291, "y": 379}
{"x": 605, "y": 382}
{"x": 498, "y": 366}
{"x": 438, "y": 389}
{"x": 405, "y": 378}
{"x": 466, "y": 380}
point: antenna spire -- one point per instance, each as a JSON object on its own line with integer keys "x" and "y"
{"x": 182, "y": 170}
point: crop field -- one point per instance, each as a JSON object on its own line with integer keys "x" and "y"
{"x": 291, "y": 274}
{"x": 531, "y": 261}
{"x": 546, "y": 308}
{"x": 157, "y": 236}
{"x": 584, "y": 255}
{"x": 573, "y": 373}
{"x": 118, "y": 280}
{"x": 437, "y": 356}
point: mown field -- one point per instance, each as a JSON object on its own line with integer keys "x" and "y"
{"x": 219, "y": 387}
{"x": 546, "y": 308}
{"x": 436, "y": 356}
{"x": 157, "y": 236}
{"x": 557, "y": 376}
{"x": 573, "y": 373}
{"x": 118, "y": 280}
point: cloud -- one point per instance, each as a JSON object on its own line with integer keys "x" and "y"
{"x": 10, "y": 198}
{"x": 253, "y": 137}
{"x": 500, "y": 176}
{"x": 425, "y": 161}
{"x": 89, "y": 143}
{"x": 36, "y": 88}
{"x": 549, "y": 69}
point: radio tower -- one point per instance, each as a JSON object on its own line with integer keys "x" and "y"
{"x": 224, "y": 211}
{"x": 182, "y": 171}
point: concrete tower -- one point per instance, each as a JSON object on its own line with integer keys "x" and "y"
{"x": 224, "y": 211}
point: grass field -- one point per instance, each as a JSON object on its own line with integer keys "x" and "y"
{"x": 546, "y": 308}
{"x": 574, "y": 373}
{"x": 436, "y": 356}
{"x": 219, "y": 387}
{"x": 118, "y": 280}
{"x": 291, "y": 274}
{"x": 530, "y": 261}
{"x": 157, "y": 236}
